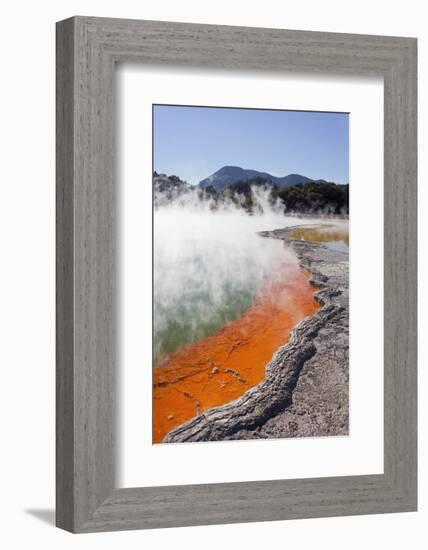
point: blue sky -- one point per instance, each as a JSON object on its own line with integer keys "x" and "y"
{"x": 194, "y": 142}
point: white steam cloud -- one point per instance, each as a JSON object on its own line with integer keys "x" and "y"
{"x": 209, "y": 264}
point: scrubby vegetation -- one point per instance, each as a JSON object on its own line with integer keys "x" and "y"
{"x": 315, "y": 197}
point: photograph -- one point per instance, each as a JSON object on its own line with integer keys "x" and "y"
{"x": 250, "y": 273}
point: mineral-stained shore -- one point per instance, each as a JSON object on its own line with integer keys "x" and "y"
{"x": 305, "y": 390}
{"x": 221, "y": 367}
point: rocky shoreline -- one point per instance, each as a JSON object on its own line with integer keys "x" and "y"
{"x": 305, "y": 390}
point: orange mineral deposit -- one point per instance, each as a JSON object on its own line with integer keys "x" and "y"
{"x": 221, "y": 367}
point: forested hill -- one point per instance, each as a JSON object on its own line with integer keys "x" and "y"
{"x": 329, "y": 198}
{"x": 313, "y": 197}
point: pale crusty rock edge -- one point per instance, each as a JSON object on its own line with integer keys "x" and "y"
{"x": 305, "y": 390}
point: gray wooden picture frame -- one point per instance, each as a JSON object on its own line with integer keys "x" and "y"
{"x": 87, "y": 50}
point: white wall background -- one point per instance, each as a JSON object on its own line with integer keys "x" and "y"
{"x": 27, "y": 271}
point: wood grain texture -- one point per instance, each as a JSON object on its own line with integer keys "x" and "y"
{"x": 64, "y": 277}
{"x": 87, "y": 49}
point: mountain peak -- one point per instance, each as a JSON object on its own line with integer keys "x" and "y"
{"x": 229, "y": 167}
{"x": 228, "y": 175}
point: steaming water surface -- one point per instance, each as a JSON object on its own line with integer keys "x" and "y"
{"x": 209, "y": 267}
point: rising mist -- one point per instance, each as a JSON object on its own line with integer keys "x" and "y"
{"x": 210, "y": 264}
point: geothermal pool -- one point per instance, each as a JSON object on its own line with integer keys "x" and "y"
{"x": 208, "y": 269}
{"x": 225, "y": 299}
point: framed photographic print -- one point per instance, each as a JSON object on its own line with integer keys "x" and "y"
{"x": 236, "y": 274}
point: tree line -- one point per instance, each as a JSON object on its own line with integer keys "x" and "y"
{"x": 315, "y": 197}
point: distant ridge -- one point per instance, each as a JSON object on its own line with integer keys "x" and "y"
{"x": 228, "y": 175}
